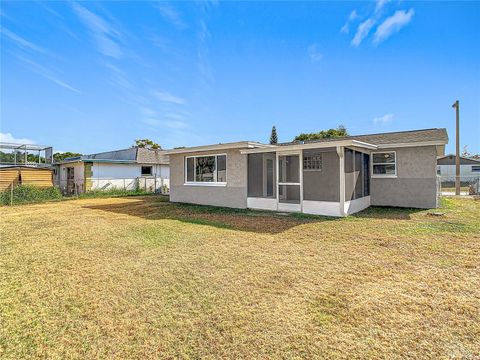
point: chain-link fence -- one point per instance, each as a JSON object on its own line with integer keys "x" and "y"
{"x": 150, "y": 184}
{"x": 469, "y": 185}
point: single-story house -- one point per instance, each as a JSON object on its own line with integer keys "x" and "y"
{"x": 469, "y": 168}
{"x": 335, "y": 177}
{"x": 123, "y": 169}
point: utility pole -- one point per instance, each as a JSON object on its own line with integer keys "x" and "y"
{"x": 456, "y": 105}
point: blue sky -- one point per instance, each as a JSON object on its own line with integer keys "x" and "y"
{"x": 94, "y": 76}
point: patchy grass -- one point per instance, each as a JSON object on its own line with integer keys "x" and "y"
{"x": 139, "y": 277}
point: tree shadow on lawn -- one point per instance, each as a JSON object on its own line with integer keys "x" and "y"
{"x": 269, "y": 222}
{"x": 158, "y": 208}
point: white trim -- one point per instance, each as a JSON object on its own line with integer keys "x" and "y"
{"x": 383, "y": 176}
{"x": 315, "y": 145}
{"x": 202, "y": 183}
{"x": 341, "y": 156}
{"x": 262, "y": 203}
{"x": 386, "y": 176}
{"x": 325, "y": 208}
{"x": 289, "y": 207}
{"x": 356, "y": 205}
{"x": 226, "y": 146}
{"x": 205, "y": 184}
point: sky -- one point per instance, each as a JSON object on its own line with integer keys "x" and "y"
{"x": 94, "y": 76}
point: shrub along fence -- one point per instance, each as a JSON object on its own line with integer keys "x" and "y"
{"x": 25, "y": 194}
{"x": 144, "y": 184}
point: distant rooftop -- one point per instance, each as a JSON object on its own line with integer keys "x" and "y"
{"x": 130, "y": 155}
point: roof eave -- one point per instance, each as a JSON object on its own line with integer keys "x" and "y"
{"x": 317, "y": 145}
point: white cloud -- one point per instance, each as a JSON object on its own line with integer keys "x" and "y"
{"x": 383, "y": 119}
{"x": 47, "y": 74}
{"x": 169, "y": 13}
{"x": 9, "y": 138}
{"x": 314, "y": 53}
{"x": 25, "y": 44}
{"x": 380, "y": 4}
{"x": 392, "y": 25}
{"x": 105, "y": 35}
{"x": 164, "y": 96}
{"x": 362, "y": 32}
{"x": 352, "y": 17}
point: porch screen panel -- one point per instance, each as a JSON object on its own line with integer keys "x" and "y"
{"x": 321, "y": 177}
{"x": 349, "y": 174}
{"x": 261, "y": 175}
{"x": 366, "y": 175}
{"x": 358, "y": 175}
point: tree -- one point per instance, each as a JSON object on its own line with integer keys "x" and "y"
{"x": 62, "y": 156}
{"x": 340, "y": 131}
{"x": 146, "y": 143}
{"x": 273, "y": 136}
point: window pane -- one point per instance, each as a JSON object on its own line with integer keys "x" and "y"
{"x": 205, "y": 169}
{"x": 384, "y": 169}
{"x": 312, "y": 161}
{"x": 381, "y": 158}
{"x": 190, "y": 169}
{"x": 222, "y": 168}
{"x": 146, "y": 170}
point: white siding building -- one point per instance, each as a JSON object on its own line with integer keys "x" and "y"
{"x": 122, "y": 169}
{"x": 469, "y": 168}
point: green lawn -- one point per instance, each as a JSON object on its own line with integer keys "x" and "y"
{"x": 139, "y": 277}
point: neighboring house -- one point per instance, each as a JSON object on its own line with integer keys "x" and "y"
{"x": 123, "y": 169}
{"x": 469, "y": 168}
{"x": 333, "y": 177}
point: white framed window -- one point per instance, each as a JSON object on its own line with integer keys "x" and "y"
{"x": 206, "y": 170}
{"x": 384, "y": 164}
{"x": 312, "y": 162}
{"x": 475, "y": 168}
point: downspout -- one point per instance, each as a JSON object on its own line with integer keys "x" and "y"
{"x": 341, "y": 156}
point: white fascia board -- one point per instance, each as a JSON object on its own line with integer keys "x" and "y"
{"x": 226, "y": 146}
{"x": 318, "y": 145}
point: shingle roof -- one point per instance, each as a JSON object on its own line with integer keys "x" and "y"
{"x": 399, "y": 137}
{"x": 140, "y": 155}
{"x": 147, "y": 156}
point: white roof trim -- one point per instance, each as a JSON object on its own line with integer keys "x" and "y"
{"x": 215, "y": 147}
{"x": 317, "y": 145}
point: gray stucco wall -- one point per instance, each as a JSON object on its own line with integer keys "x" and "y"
{"x": 415, "y": 185}
{"x": 234, "y": 194}
{"x": 323, "y": 185}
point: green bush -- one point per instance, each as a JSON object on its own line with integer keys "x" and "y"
{"x": 25, "y": 194}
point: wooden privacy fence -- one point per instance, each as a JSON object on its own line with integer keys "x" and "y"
{"x": 18, "y": 175}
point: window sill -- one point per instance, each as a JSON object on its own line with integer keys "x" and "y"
{"x": 221, "y": 184}
{"x": 384, "y": 176}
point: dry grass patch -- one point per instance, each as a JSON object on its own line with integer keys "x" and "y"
{"x": 143, "y": 278}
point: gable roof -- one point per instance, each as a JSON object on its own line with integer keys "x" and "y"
{"x": 450, "y": 160}
{"x": 125, "y": 156}
{"x": 437, "y": 136}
